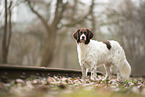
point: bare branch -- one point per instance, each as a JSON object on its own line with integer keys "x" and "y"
{"x": 38, "y": 15}
{"x": 60, "y": 7}
{"x": 112, "y": 22}
{"x": 83, "y": 18}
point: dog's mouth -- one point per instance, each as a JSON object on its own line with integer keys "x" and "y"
{"x": 82, "y": 40}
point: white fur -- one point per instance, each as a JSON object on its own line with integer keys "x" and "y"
{"x": 95, "y": 53}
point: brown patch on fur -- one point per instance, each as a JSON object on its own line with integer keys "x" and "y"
{"x": 107, "y": 44}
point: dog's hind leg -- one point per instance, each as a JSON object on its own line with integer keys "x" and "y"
{"x": 87, "y": 69}
{"x": 118, "y": 69}
{"x": 107, "y": 69}
{"x": 126, "y": 70}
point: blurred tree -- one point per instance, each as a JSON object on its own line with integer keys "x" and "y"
{"x": 7, "y": 31}
{"x": 93, "y": 20}
{"x": 52, "y": 28}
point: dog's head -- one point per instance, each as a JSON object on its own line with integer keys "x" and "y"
{"x": 83, "y": 35}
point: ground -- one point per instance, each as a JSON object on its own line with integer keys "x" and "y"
{"x": 72, "y": 87}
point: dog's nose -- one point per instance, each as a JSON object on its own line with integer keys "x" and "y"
{"x": 83, "y": 37}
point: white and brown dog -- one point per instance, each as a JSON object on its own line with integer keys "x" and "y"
{"x": 92, "y": 53}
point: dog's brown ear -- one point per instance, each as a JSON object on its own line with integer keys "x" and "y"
{"x": 89, "y": 36}
{"x": 90, "y": 33}
{"x": 76, "y": 35}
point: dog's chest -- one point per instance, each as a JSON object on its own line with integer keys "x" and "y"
{"x": 86, "y": 53}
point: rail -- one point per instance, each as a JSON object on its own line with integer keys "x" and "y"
{"x": 8, "y": 72}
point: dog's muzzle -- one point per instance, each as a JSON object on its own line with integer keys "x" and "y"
{"x": 83, "y": 37}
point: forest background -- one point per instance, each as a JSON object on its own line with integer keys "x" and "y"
{"x": 39, "y": 32}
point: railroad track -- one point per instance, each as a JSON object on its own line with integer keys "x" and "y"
{"x": 9, "y": 72}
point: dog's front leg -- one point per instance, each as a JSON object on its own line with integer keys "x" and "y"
{"x": 84, "y": 72}
{"x": 93, "y": 72}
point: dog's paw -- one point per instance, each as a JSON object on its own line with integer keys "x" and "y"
{"x": 84, "y": 78}
{"x": 105, "y": 78}
{"x": 94, "y": 79}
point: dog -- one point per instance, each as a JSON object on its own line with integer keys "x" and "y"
{"x": 92, "y": 53}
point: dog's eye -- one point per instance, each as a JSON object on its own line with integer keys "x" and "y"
{"x": 84, "y": 32}
{"x": 81, "y": 32}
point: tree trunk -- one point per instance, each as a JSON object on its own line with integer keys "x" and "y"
{"x": 47, "y": 55}
{"x": 10, "y": 27}
{"x": 4, "y": 48}
{"x": 6, "y": 33}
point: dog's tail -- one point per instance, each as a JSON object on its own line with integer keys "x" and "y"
{"x": 126, "y": 70}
